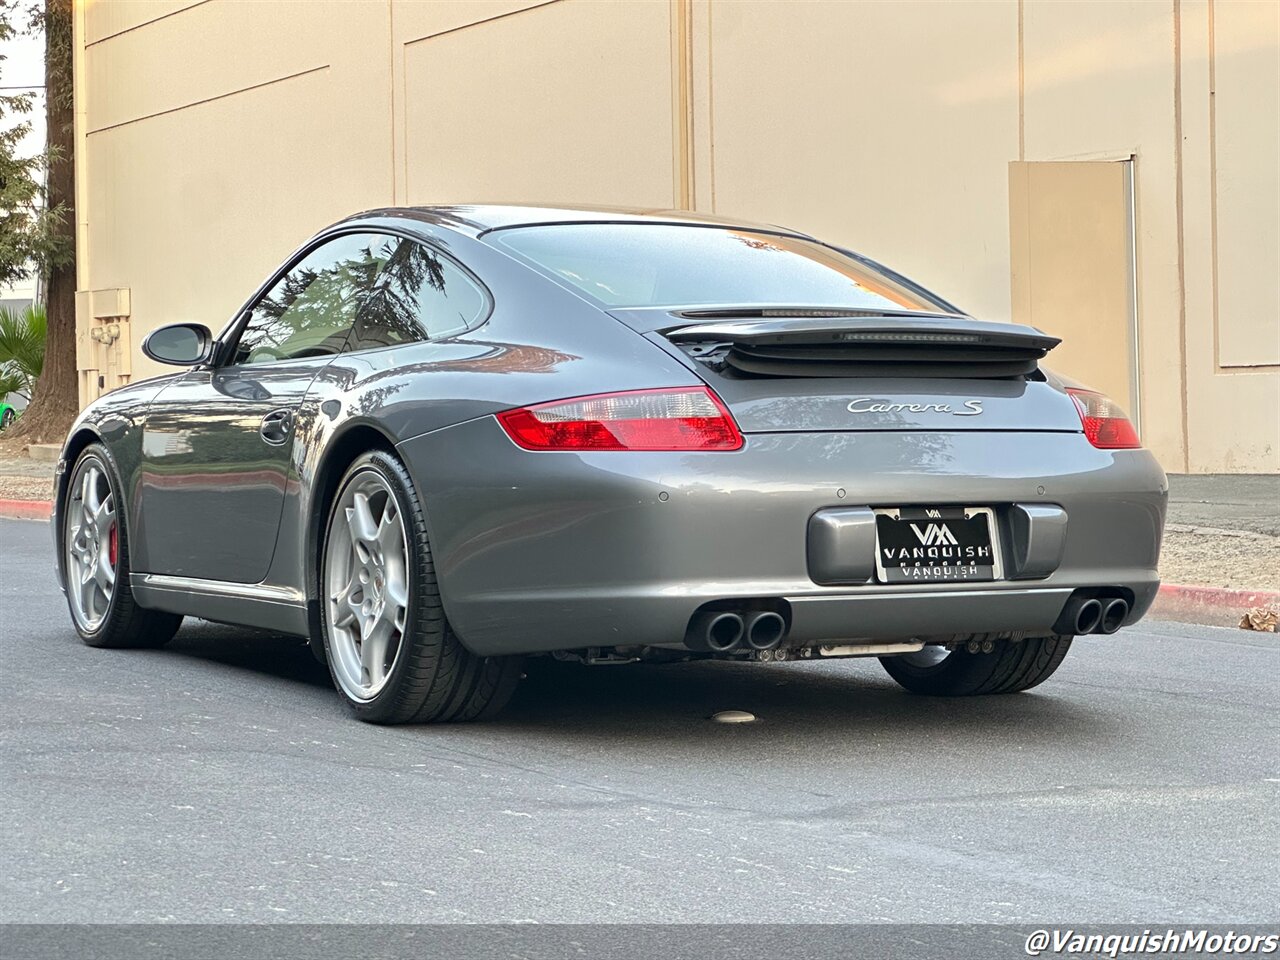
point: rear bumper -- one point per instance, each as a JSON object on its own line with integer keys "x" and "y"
{"x": 546, "y": 551}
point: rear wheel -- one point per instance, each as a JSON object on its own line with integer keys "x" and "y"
{"x": 1009, "y": 668}
{"x": 391, "y": 652}
{"x": 95, "y": 545}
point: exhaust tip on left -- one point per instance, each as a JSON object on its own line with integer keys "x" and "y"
{"x": 1088, "y": 616}
{"x": 724, "y": 632}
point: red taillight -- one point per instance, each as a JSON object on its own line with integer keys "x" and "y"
{"x": 1105, "y": 424}
{"x": 678, "y": 418}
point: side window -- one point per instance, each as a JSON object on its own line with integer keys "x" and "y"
{"x": 418, "y": 295}
{"x": 311, "y": 309}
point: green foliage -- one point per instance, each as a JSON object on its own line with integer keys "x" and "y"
{"x": 31, "y": 233}
{"x": 21, "y": 349}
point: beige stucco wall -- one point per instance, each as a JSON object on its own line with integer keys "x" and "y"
{"x": 216, "y": 136}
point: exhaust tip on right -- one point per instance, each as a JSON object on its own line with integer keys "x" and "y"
{"x": 765, "y": 630}
{"x": 1113, "y": 616}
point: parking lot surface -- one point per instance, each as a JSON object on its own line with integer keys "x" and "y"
{"x": 220, "y": 779}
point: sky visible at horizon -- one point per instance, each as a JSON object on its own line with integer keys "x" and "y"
{"x": 23, "y": 67}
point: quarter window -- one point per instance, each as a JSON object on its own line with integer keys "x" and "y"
{"x": 418, "y": 295}
{"x": 356, "y": 292}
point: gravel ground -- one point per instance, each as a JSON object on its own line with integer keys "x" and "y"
{"x": 25, "y": 488}
{"x": 1224, "y": 558}
{"x": 13, "y": 466}
{"x": 22, "y": 478}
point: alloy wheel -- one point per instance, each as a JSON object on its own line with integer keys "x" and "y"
{"x": 92, "y": 544}
{"x": 366, "y": 584}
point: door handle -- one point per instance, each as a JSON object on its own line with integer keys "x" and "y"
{"x": 276, "y": 426}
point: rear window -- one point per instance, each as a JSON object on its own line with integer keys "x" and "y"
{"x": 664, "y": 265}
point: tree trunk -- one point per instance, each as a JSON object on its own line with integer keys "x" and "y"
{"x": 56, "y": 399}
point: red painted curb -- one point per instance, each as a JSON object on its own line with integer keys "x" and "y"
{"x": 1215, "y": 606}
{"x": 1217, "y": 595}
{"x": 25, "y": 509}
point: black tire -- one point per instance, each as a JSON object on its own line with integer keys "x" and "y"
{"x": 1010, "y": 668}
{"x": 434, "y": 679}
{"x": 124, "y": 623}
{"x": 7, "y": 418}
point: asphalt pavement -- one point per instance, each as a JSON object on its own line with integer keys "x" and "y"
{"x": 1241, "y": 501}
{"x": 220, "y": 779}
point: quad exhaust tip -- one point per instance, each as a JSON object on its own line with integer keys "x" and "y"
{"x": 724, "y": 631}
{"x": 1083, "y": 615}
{"x": 1088, "y": 616}
{"x": 1113, "y": 615}
{"x": 765, "y": 630}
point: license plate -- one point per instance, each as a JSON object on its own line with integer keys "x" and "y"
{"x": 936, "y": 545}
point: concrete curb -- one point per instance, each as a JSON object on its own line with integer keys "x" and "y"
{"x": 1215, "y": 606}
{"x": 25, "y": 509}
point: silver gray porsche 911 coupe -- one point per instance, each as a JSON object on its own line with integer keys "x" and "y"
{"x": 440, "y": 439}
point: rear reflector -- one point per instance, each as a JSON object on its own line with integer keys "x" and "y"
{"x": 678, "y": 418}
{"x": 1105, "y": 424}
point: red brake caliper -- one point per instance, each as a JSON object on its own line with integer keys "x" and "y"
{"x": 112, "y": 545}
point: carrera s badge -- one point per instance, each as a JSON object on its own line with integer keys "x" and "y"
{"x": 870, "y": 405}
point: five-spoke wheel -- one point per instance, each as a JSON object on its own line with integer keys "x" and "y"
{"x": 393, "y": 656}
{"x": 95, "y": 561}
{"x": 366, "y": 579}
{"x": 92, "y": 542}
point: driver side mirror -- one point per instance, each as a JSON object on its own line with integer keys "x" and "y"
{"x": 180, "y": 344}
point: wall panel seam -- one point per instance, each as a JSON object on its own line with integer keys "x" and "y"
{"x": 1218, "y": 365}
{"x": 476, "y": 23}
{"x": 146, "y": 23}
{"x": 711, "y": 104}
{"x": 220, "y": 96}
{"x": 682, "y": 104}
{"x": 1213, "y": 187}
{"x": 1180, "y": 232}
{"x": 1022, "y": 84}
{"x": 391, "y": 90}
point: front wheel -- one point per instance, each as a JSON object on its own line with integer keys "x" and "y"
{"x": 1010, "y": 667}
{"x": 391, "y": 652}
{"x": 95, "y": 562}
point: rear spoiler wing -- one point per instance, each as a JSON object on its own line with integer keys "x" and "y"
{"x": 813, "y": 342}
{"x": 962, "y": 333}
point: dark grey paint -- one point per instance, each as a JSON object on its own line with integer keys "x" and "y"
{"x": 842, "y": 545}
{"x": 1037, "y": 538}
{"x": 580, "y": 549}
{"x": 542, "y": 551}
{"x": 210, "y": 473}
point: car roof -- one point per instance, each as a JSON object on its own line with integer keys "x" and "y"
{"x": 479, "y": 218}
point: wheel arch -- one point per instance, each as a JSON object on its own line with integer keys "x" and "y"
{"x": 71, "y": 450}
{"x": 343, "y": 448}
